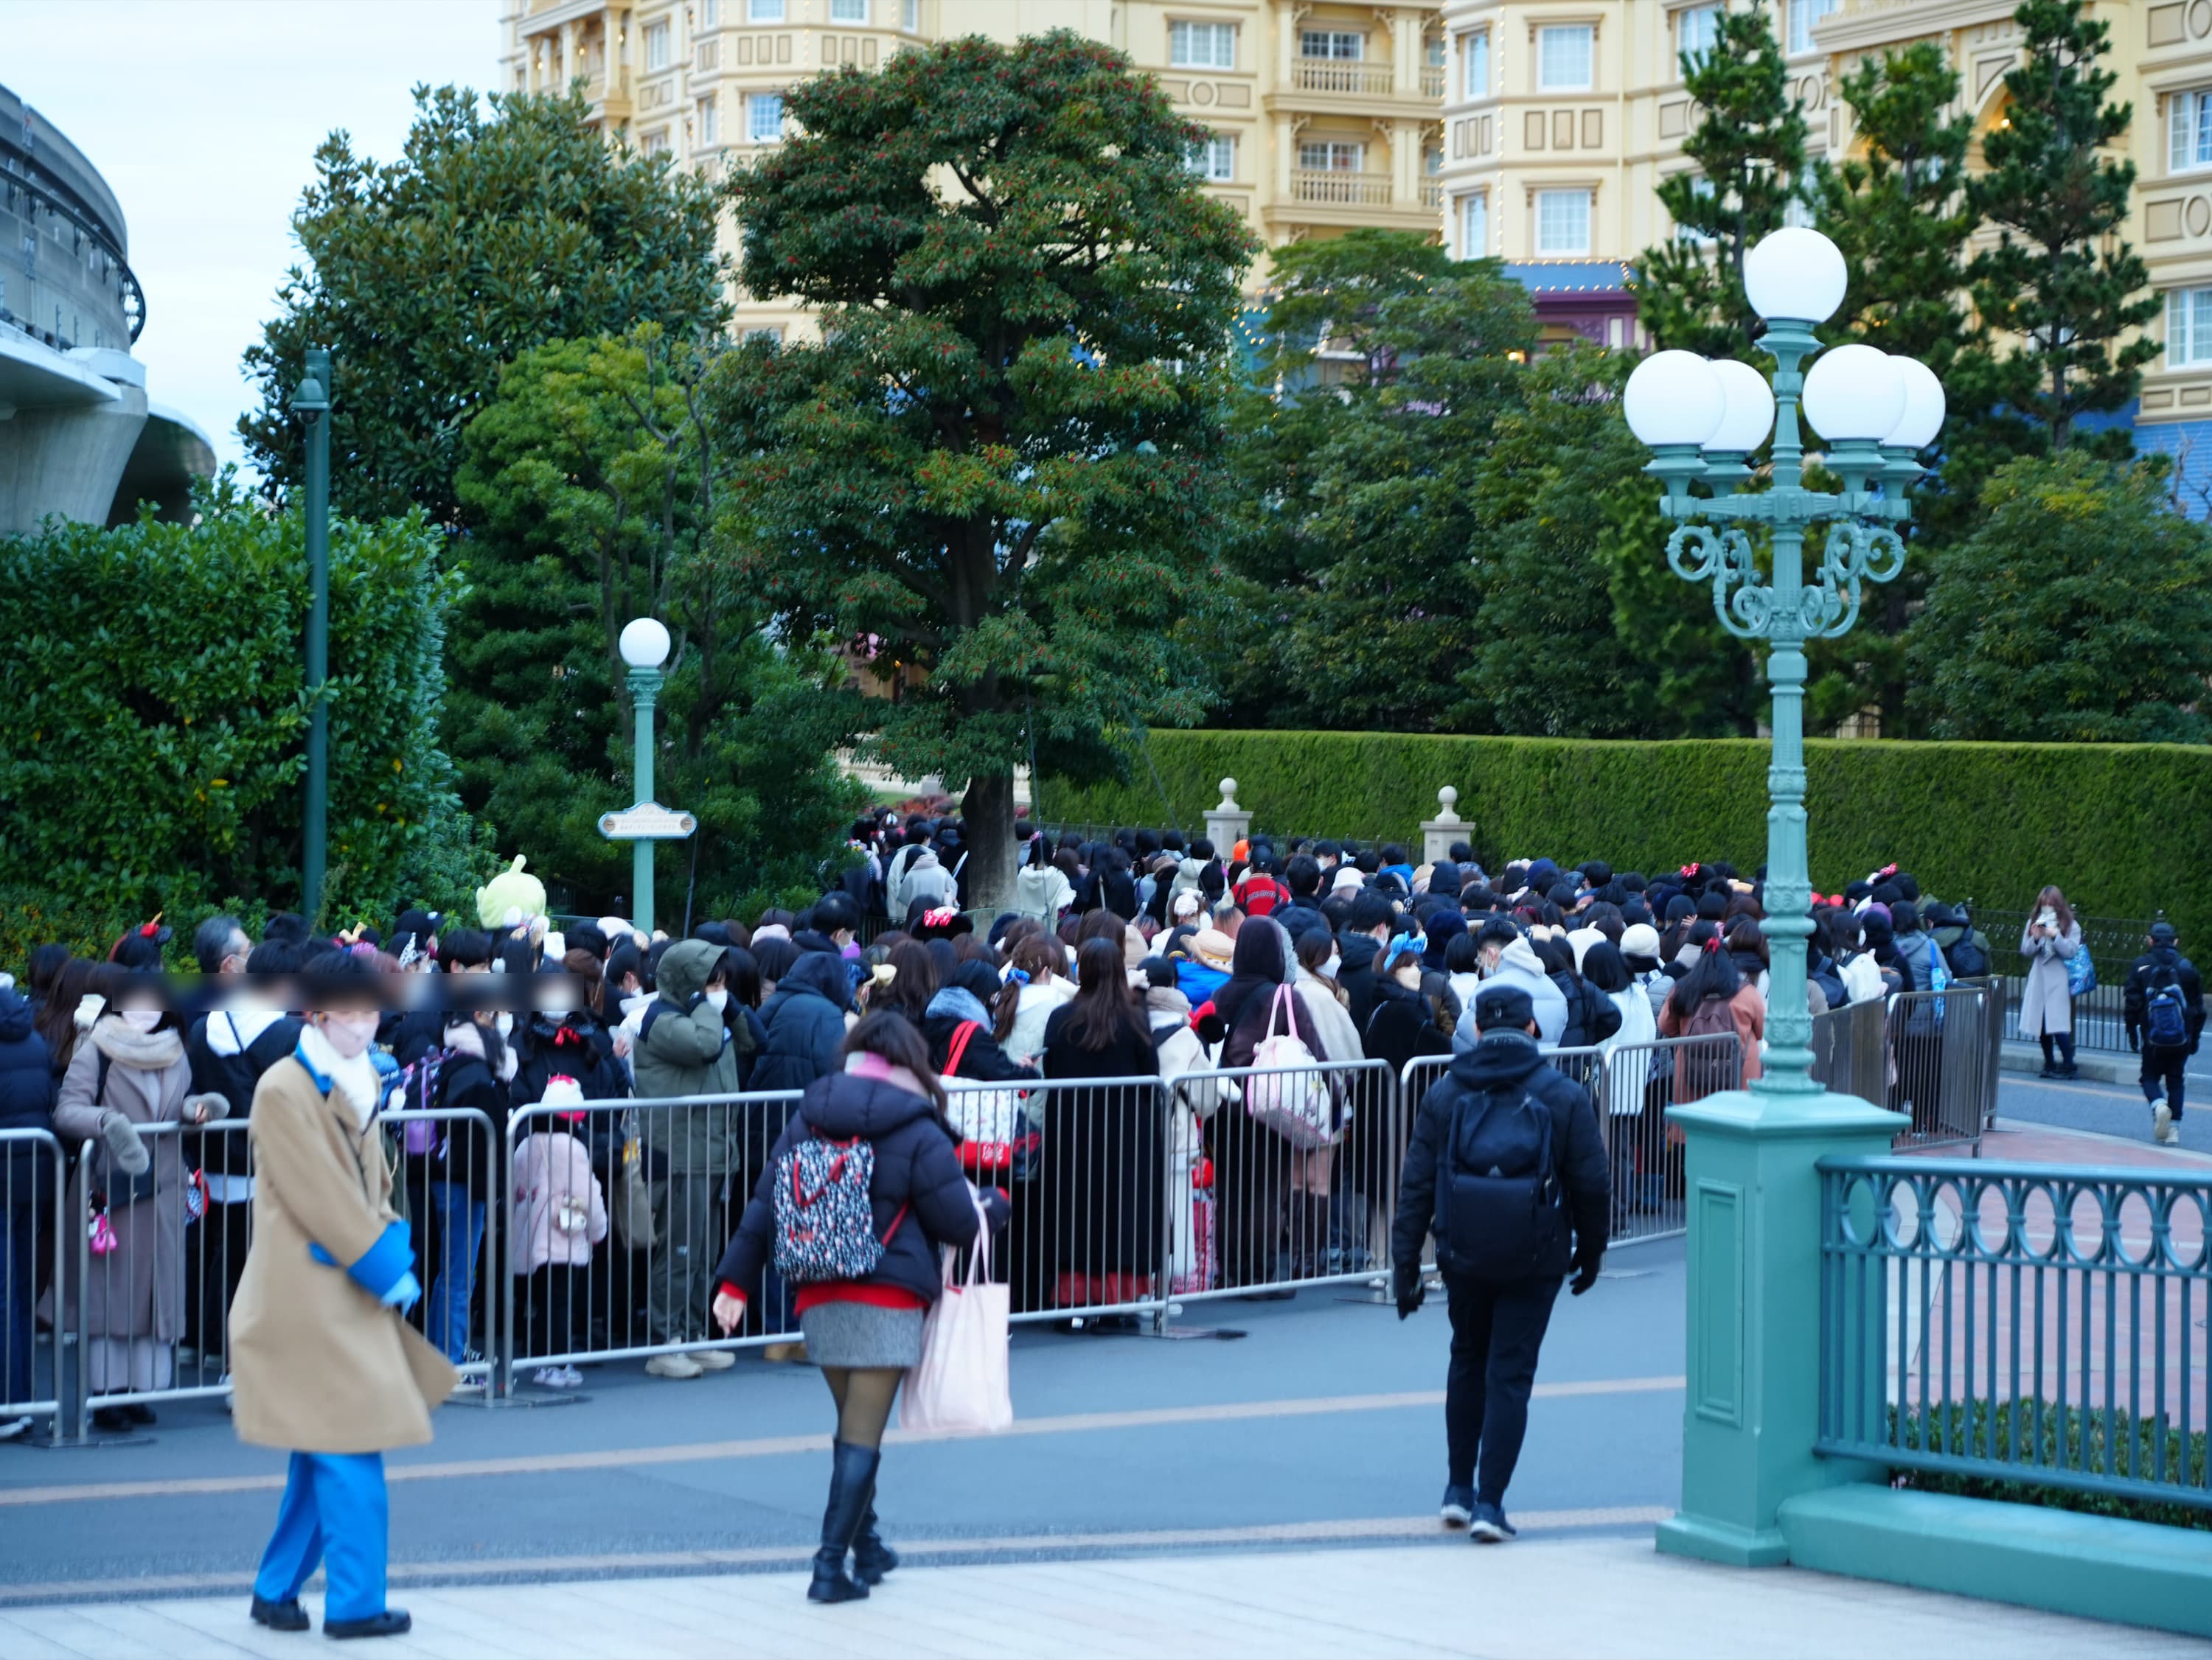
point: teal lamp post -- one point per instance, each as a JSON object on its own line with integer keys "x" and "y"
{"x": 311, "y": 402}
{"x": 1752, "y": 1191}
{"x": 644, "y": 646}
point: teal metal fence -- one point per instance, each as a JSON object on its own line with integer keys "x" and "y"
{"x": 2018, "y": 1324}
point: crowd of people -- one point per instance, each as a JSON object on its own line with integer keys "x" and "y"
{"x": 1142, "y": 956}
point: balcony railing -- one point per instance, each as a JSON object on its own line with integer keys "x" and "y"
{"x": 1334, "y": 76}
{"x": 1344, "y": 189}
{"x": 1433, "y": 193}
{"x": 1432, "y": 81}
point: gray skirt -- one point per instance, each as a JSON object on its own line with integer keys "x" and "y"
{"x": 861, "y": 1335}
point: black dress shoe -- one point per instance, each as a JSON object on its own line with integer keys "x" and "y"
{"x": 139, "y": 1414}
{"x": 279, "y": 1616}
{"x": 392, "y": 1622}
{"x": 109, "y": 1419}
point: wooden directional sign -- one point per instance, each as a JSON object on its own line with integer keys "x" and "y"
{"x": 647, "y": 821}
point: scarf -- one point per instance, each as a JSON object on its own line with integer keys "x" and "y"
{"x": 354, "y": 1079}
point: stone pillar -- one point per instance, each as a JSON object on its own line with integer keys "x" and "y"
{"x": 1751, "y": 1409}
{"x": 1227, "y": 823}
{"x": 1438, "y": 833}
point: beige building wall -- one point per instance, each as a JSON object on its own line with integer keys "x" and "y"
{"x": 1325, "y": 116}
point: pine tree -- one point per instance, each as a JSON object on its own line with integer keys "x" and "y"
{"x": 1749, "y": 147}
{"x": 2059, "y": 280}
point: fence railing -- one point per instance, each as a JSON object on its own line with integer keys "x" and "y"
{"x": 1331, "y": 74}
{"x": 2011, "y": 1323}
{"x": 569, "y": 1236}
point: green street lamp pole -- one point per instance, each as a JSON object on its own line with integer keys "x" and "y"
{"x": 1751, "y": 1170}
{"x": 311, "y": 401}
{"x": 644, "y": 646}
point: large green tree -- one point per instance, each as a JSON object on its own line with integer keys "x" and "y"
{"x": 1357, "y": 438}
{"x": 591, "y": 486}
{"x": 2060, "y": 281}
{"x": 2080, "y": 611}
{"x": 998, "y": 468}
{"x": 493, "y": 233}
{"x": 1749, "y": 146}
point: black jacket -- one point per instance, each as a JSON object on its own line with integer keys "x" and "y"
{"x": 1356, "y": 976}
{"x": 26, "y": 1102}
{"x": 464, "y": 1080}
{"x": 2153, "y": 965}
{"x": 222, "y": 1065}
{"x": 1400, "y": 1027}
{"x": 805, "y": 1020}
{"x": 1507, "y": 1063}
{"x": 982, "y": 1059}
{"x": 577, "y": 1046}
{"x": 917, "y": 1170}
{"x": 1592, "y": 1017}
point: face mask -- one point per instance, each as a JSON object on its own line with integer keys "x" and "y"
{"x": 506, "y": 1023}
{"x": 349, "y": 1035}
{"x": 1328, "y": 969}
{"x": 141, "y": 1020}
{"x": 717, "y": 998}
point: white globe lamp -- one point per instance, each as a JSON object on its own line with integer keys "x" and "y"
{"x": 644, "y": 643}
{"x": 1795, "y": 273}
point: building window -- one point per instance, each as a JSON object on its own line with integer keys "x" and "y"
{"x": 910, "y": 16}
{"x": 769, "y": 336}
{"x": 764, "y": 116}
{"x": 656, "y": 46}
{"x": 1803, "y": 13}
{"x": 848, "y": 11}
{"x": 654, "y": 143}
{"x": 1563, "y": 221}
{"x": 1474, "y": 225}
{"x": 1213, "y": 158}
{"x": 1347, "y": 45}
{"x": 2188, "y": 327}
{"x": 708, "y": 127}
{"x": 2189, "y": 130}
{"x": 1202, "y": 46}
{"x": 1476, "y": 52}
{"x": 763, "y": 11}
{"x": 710, "y": 14}
{"x": 1432, "y": 50}
{"x": 1332, "y": 156}
{"x": 1697, "y": 30}
{"x": 1564, "y": 57}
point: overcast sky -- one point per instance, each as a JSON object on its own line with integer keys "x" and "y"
{"x": 204, "y": 115}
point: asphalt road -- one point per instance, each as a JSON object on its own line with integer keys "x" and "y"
{"x": 2107, "y": 1109}
{"x": 1120, "y": 1434}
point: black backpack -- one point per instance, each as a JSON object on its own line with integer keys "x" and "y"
{"x": 2167, "y": 1023}
{"x": 1503, "y": 1219}
{"x": 1967, "y": 959}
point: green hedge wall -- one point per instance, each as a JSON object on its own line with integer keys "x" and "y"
{"x": 2125, "y": 829}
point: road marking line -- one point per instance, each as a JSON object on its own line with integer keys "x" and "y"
{"x": 780, "y": 1445}
{"x": 1041, "y": 1546}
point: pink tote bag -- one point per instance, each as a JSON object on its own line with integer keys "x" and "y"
{"x": 961, "y": 1386}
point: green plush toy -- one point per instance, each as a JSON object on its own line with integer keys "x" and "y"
{"x": 510, "y": 898}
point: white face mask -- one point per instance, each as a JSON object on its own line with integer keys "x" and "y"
{"x": 1328, "y": 969}
{"x": 141, "y": 1020}
{"x": 506, "y": 1023}
{"x": 717, "y": 998}
{"x": 349, "y": 1034}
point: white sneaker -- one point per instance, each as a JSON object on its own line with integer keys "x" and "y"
{"x": 713, "y": 1360}
{"x": 571, "y": 1378}
{"x": 11, "y": 1427}
{"x": 673, "y": 1366}
{"x": 546, "y": 1376}
{"x": 2161, "y": 1124}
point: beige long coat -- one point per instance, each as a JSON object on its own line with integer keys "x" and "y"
{"x": 317, "y": 1364}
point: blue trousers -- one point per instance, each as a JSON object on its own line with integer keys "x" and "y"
{"x": 334, "y": 1506}
{"x": 461, "y": 1230}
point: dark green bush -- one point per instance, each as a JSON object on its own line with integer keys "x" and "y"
{"x": 155, "y": 751}
{"x": 2124, "y": 828}
{"x": 2071, "y": 1439}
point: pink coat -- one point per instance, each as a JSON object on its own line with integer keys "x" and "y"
{"x": 553, "y": 1171}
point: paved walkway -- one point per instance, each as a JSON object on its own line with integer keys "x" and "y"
{"x": 1595, "y": 1598}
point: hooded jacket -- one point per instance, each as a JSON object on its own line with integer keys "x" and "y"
{"x": 1518, "y": 965}
{"x": 917, "y": 1172}
{"x": 684, "y": 1048}
{"x": 805, "y": 1023}
{"x": 927, "y": 878}
{"x": 1357, "y": 975}
{"x": 1042, "y": 891}
{"x": 2154, "y": 965}
{"x": 27, "y": 1101}
{"x": 1449, "y": 1134}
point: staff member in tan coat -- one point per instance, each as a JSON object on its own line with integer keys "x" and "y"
{"x": 322, "y": 1362}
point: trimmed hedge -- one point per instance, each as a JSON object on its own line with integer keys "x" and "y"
{"x": 2125, "y": 829}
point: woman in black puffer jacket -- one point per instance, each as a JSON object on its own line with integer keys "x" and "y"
{"x": 865, "y": 1333}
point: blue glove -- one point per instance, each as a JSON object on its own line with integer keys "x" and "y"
{"x": 405, "y": 1295}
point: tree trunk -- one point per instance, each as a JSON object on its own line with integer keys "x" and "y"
{"x": 986, "y": 814}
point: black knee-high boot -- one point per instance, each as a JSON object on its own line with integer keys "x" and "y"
{"x": 871, "y": 1557}
{"x": 852, "y": 1476}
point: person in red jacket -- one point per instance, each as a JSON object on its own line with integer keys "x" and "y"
{"x": 865, "y": 1333}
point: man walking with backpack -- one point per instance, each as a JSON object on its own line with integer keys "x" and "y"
{"x": 1507, "y": 1169}
{"x": 2164, "y": 1015}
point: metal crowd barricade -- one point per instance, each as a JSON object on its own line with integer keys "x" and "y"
{"x": 446, "y": 1182}
{"x": 1940, "y": 1072}
{"x": 32, "y": 1248}
{"x": 617, "y": 1213}
{"x": 1641, "y": 1082}
{"x": 1850, "y": 1049}
{"x": 1282, "y": 1210}
{"x": 2017, "y": 1322}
